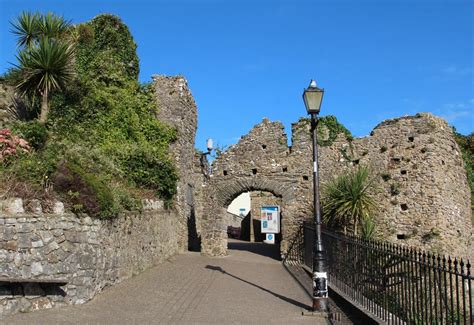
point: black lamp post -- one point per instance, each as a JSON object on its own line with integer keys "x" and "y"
{"x": 313, "y": 96}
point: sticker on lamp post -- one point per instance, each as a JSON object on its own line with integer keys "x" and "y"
{"x": 320, "y": 285}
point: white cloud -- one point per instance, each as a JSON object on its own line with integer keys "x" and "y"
{"x": 454, "y": 111}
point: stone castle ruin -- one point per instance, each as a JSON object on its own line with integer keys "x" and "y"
{"x": 52, "y": 259}
{"x": 422, "y": 193}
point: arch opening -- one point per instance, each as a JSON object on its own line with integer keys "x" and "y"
{"x": 243, "y": 222}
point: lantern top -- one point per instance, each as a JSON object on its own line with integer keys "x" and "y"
{"x": 312, "y": 97}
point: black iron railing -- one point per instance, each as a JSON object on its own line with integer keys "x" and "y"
{"x": 397, "y": 284}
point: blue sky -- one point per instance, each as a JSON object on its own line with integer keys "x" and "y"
{"x": 246, "y": 60}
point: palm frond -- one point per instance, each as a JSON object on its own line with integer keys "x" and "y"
{"x": 53, "y": 26}
{"x": 347, "y": 198}
{"x": 45, "y": 68}
{"x": 26, "y": 29}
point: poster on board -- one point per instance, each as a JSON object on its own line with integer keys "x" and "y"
{"x": 270, "y": 219}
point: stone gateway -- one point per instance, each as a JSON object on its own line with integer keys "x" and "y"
{"x": 422, "y": 194}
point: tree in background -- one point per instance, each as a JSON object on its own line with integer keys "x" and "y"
{"x": 45, "y": 57}
{"x": 347, "y": 199}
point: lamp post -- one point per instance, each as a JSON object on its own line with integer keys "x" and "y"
{"x": 313, "y": 96}
{"x": 210, "y": 147}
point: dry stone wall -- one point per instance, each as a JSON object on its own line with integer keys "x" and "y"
{"x": 88, "y": 254}
{"x": 422, "y": 193}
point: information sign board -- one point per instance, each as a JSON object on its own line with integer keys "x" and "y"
{"x": 270, "y": 219}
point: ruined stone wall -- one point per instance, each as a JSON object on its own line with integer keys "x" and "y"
{"x": 421, "y": 186}
{"x": 177, "y": 108}
{"x": 257, "y": 163}
{"x": 259, "y": 199}
{"x": 88, "y": 254}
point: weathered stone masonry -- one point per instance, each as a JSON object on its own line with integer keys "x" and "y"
{"x": 422, "y": 189}
{"x": 92, "y": 254}
{"x": 88, "y": 254}
{"x": 422, "y": 192}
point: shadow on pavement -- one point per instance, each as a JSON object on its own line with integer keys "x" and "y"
{"x": 288, "y": 300}
{"x": 268, "y": 250}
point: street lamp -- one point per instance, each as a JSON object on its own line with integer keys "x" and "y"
{"x": 313, "y": 96}
{"x": 210, "y": 147}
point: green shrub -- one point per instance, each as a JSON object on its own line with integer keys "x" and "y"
{"x": 86, "y": 191}
{"x": 347, "y": 199}
{"x": 34, "y": 132}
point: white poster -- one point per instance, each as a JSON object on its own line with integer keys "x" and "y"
{"x": 270, "y": 219}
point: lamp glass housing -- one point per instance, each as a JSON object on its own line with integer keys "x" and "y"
{"x": 313, "y": 96}
{"x": 210, "y": 144}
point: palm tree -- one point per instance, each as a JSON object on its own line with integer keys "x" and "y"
{"x": 347, "y": 199}
{"x": 46, "y": 59}
{"x": 45, "y": 68}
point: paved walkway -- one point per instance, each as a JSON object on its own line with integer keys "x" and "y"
{"x": 248, "y": 287}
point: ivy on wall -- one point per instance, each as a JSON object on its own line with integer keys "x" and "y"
{"x": 328, "y": 130}
{"x": 466, "y": 143}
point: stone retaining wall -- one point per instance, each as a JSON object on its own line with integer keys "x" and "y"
{"x": 89, "y": 254}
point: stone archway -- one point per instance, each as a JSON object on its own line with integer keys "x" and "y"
{"x": 224, "y": 191}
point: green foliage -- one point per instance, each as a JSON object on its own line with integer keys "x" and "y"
{"x": 466, "y": 143}
{"x": 102, "y": 144}
{"x": 148, "y": 171}
{"x": 347, "y": 199}
{"x": 106, "y": 51}
{"x": 334, "y": 128}
{"x": 35, "y": 168}
{"x": 88, "y": 192}
{"x": 35, "y": 133}
{"x": 368, "y": 228}
{"x": 45, "y": 57}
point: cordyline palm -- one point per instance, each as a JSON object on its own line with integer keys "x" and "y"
{"x": 30, "y": 28}
{"x": 45, "y": 63}
{"x": 26, "y": 28}
{"x": 347, "y": 198}
{"x": 45, "y": 68}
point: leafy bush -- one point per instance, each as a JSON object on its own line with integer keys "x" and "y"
{"x": 86, "y": 191}
{"x": 106, "y": 51}
{"x": 146, "y": 170}
{"x": 34, "y": 132}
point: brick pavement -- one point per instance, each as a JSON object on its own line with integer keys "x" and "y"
{"x": 246, "y": 287}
